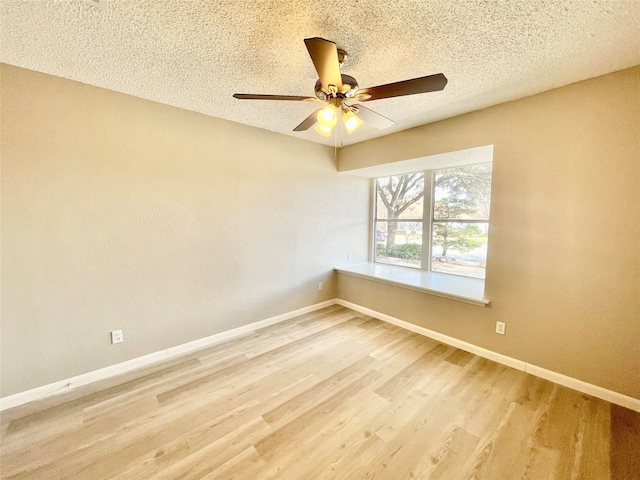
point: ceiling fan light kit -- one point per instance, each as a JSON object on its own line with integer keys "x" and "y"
{"x": 339, "y": 89}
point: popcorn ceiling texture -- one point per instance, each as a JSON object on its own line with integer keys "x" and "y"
{"x": 196, "y": 54}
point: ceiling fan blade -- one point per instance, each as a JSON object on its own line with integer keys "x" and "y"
{"x": 324, "y": 55}
{"x": 372, "y": 118}
{"x": 250, "y": 96}
{"x": 430, "y": 83}
{"x": 308, "y": 122}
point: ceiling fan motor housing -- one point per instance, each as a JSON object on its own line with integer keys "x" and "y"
{"x": 349, "y": 89}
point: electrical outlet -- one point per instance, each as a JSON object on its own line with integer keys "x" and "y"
{"x": 319, "y": 286}
{"x": 348, "y": 257}
{"x": 117, "y": 337}
{"x": 500, "y": 327}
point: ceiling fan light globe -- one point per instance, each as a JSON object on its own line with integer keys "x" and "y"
{"x": 351, "y": 121}
{"x": 322, "y": 130}
{"x": 328, "y": 116}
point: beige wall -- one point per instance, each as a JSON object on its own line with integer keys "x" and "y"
{"x": 122, "y": 213}
{"x": 564, "y": 251}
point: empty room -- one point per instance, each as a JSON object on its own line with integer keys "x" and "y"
{"x": 337, "y": 240}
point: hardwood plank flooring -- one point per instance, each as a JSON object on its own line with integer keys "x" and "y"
{"x": 332, "y": 394}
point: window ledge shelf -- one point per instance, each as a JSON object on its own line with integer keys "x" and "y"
{"x": 463, "y": 289}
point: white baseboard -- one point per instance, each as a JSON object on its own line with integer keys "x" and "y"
{"x": 110, "y": 371}
{"x": 570, "y": 382}
{"x": 219, "y": 337}
{"x": 68, "y": 384}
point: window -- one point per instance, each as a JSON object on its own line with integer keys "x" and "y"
{"x": 434, "y": 220}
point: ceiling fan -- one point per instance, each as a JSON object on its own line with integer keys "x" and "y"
{"x": 339, "y": 90}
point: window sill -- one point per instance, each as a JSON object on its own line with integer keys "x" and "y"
{"x": 462, "y": 289}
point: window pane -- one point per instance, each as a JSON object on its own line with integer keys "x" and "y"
{"x": 400, "y": 196}
{"x": 460, "y": 248}
{"x": 399, "y": 243}
{"x": 462, "y": 193}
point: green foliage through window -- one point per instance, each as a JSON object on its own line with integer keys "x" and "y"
{"x": 408, "y": 250}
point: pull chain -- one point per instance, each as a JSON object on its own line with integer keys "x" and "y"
{"x": 335, "y": 149}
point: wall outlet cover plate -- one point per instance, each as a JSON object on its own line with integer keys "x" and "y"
{"x": 117, "y": 337}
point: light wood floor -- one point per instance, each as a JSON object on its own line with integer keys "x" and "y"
{"x": 328, "y": 395}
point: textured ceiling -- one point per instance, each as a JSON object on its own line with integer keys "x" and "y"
{"x": 196, "y": 54}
